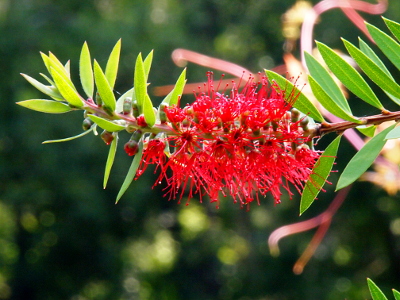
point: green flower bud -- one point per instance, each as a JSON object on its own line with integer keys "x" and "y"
{"x": 127, "y": 106}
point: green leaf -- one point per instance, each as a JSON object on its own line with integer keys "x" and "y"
{"x": 92, "y": 129}
{"x": 363, "y": 159}
{"x": 367, "y": 131}
{"x": 139, "y": 83}
{"x": 48, "y": 90}
{"x": 147, "y": 64}
{"x": 86, "y": 71}
{"x": 329, "y": 103}
{"x": 104, "y": 88}
{"x": 148, "y": 111}
{"x": 387, "y": 44}
{"x": 46, "y": 106}
{"x": 320, "y": 173}
{"x": 110, "y": 159}
{"x": 132, "y": 172}
{"x": 394, "y": 27}
{"x": 112, "y": 64}
{"x": 173, "y": 96}
{"x": 302, "y": 102}
{"x": 396, "y": 294}
{"x": 393, "y": 134}
{"x": 376, "y": 293}
{"x": 106, "y": 124}
{"x": 56, "y": 64}
{"x": 325, "y": 80}
{"x": 348, "y": 76}
{"x": 66, "y": 90}
{"x": 373, "y": 71}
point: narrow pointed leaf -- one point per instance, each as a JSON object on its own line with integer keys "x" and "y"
{"x": 388, "y": 45}
{"x": 105, "y": 124}
{"x": 110, "y": 159}
{"x": 48, "y": 80}
{"x": 363, "y": 159}
{"x": 147, "y": 64}
{"x": 131, "y": 173}
{"x": 56, "y": 64}
{"x": 86, "y": 71}
{"x": 139, "y": 83}
{"x": 375, "y": 291}
{"x": 66, "y": 90}
{"x": 46, "y": 61}
{"x": 45, "y": 89}
{"x": 92, "y": 129}
{"x": 103, "y": 87}
{"x": 367, "y": 131}
{"x": 373, "y": 71}
{"x": 320, "y": 173}
{"x": 67, "y": 68}
{"x": 173, "y": 96}
{"x": 148, "y": 111}
{"x": 329, "y": 103}
{"x": 348, "y": 76}
{"x": 325, "y": 80}
{"x": 112, "y": 64}
{"x": 302, "y": 103}
{"x": 396, "y": 295}
{"x": 393, "y": 134}
{"x": 394, "y": 27}
{"x": 46, "y": 106}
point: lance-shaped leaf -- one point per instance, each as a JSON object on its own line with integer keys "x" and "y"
{"x": 320, "y": 173}
{"x": 302, "y": 102}
{"x": 92, "y": 129}
{"x": 106, "y": 124}
{"x": 367, "y": 131}
{"x": 110, "y": 159}
{"x": 103, "y": 87}
{"x": 45, "y": 89}
{"x": 375, "y": 291}
{"x": 148, "y": 111}
{"x": 131, "y": 172}
{"x": 329, "y": 103}
{"x": 112, "y": 64}
{"x": 363, "y": 159}
{"x": 373, "y": 71}
{"x": 348, "y": 76}
{"x": 173, "y": 96}
{"x": 394, "y": 27}
{"x": 66, "y": 90}
{"x": 147, "y": 64}
{"x": 325, "y": 80}
{"x": 46, "y": 106}
{"x": 388, "y": 45}
{"x": 86, "y": 71}
{"x": 139, "y": 83}
{"x": 393, "y": 134}
{"x": 396, "y": 295}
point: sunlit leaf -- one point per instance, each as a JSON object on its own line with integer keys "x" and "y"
{"x": 147, "y": 64}
{"x": 92, "y": 129}
{"x": 48, "y": 90}
{"x": 148, "y": 111}
{"x": 131, "y": 173}
{"x": 393, "y": 134}
{"x": 396, "y": 294}
{"x": 348, "y": 76}
{"x": 105, "y": 124}
{"x": 363, "y": 159}
{"x": 103, "y": 87}
{"x": 66, "y": 90}
{"x": 112, "y": 64}
{"x": 367, "y": 131}
{"x": 394, "y": 27}
{"x": 86, "y": 71}
{"x": 376, "y": 293}
{"x": 139, "y": 83}
{"x": 46, "y": 106}
{"x": 110, "y": 159}
{"x": 302, "y": 103}
{"x": 173, "y": 96}
{"x": 320, "y": 173}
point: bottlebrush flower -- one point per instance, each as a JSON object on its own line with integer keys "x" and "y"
{"x": 244, "y": 144}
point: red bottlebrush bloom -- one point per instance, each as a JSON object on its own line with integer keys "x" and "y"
{"x": 244, "y": 144}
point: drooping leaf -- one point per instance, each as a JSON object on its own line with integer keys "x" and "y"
{"x": 325, "y": 80}
{"x": 110, "y": 159}
{"x": 131, "y": 172}
{"x": 329, "y": 103}
{"x": 68, "y": 92}
{"x": 173, "y": 96}
{"x": 86, "y": 71}
{"x": 321, "y": 171}
{"x": 373, "y": 71}
{"x": 92, "y": 129}
{"x": 394, "y": 27}
{"x": 363, "y": 159}
{"x": 139, "y": 83}
{"x": 103, "y": 87}
{"x": 302, "y": 103}
{"x": 348, "y": 76}
{"x": 112, "y": 64}
{"x": 375, "y": 291}
{"x": 387, "y": 44}
{"x": 46, "y": 106}
{"x": 393, "y": 134}
{"x": 48, "y": 90}
{"x": 147, "y": 64}
{"x": 106, "y": 124}
{"x": 367, "y": 131}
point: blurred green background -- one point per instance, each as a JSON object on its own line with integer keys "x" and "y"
{"x": 62, "y": 236}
